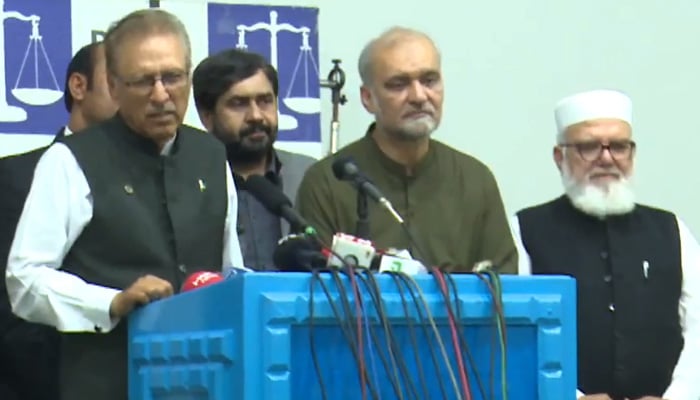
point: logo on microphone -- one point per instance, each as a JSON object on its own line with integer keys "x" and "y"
{"x": 205, "y": 277}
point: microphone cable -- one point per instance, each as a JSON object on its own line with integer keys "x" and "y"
{"x": 398, "y": 280}
{"x": 459, "y": 327}
{"x": 463, "y": 340}
{"x": 342, "y": 294}
{"x": 493, "y": 284}
{"x": 356, "y": 347}
{"x": 438, "y": 337}
{"x": 395, "y": 351}
{"x": 453, "y": 330}
{"x": 347, "y": 332}
{"x": 375, "y": 295}
{"x": 463, "y": 376}
{"x": 376, "y": 299}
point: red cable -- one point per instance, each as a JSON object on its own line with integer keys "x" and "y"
{"x": 455, "y": 338}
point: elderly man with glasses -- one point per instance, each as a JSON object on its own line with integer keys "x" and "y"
{"x": 637, "y": 267}
{"x": 119, "y": 216}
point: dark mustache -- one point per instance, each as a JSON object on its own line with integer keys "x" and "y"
{"x": 256, "y": 127}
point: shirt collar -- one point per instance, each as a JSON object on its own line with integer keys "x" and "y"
{"x": 272, "y": 173}
{"x": 393, "y": 166}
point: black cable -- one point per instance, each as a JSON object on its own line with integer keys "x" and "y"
{"x": 496, "y": 294}
{"x": 424, "y": 326}
{"x": 414, "y": 244}
{"x": 314, "y": 355}
{"x": 463, "y": 338}
{"x": 458, "y": 324}
{"x": 375, "y": 340}
{"x": 414, "y": 341}
{"x": 348, "y": 336}
{"x": 389, "y": 333}
{"x": 348, "y": 269}
{"x": 342, "y": 294}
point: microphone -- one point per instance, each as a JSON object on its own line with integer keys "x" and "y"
{"x": 200, "y": 279}
{"x": 298, "y": 253}
{"x": 355, "y": 252}
{"x": 394, "y": 260}
{"x": 345, "y": 169}
{"x": 276, "y": 202}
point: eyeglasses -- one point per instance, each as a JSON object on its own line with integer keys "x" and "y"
{"x": 144, "y": 85}
{"x": 619, "y": 150}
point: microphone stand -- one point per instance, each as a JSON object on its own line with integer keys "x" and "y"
{"x": 362, "y": 227}
{"x": 335, "y": 82}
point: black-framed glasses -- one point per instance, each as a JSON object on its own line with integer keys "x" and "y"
{"x": 620, "y": 150}
{"x": 169, "y": 80}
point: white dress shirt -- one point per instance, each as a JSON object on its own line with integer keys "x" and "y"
{"x": 57, "y": 209}
{"x": 685, "y": 384}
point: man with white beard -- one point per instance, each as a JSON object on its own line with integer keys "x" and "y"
{"x": 637, "y": 267}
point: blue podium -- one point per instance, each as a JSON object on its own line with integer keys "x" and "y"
{"x": 251, "y": 337}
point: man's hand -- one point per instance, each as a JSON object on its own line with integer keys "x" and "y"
{"x": 145, "y": 290}
{"x": 601, "y": 396}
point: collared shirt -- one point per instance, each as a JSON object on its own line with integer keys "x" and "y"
{"x": 450, "y": 203}
{"x": 686, "y": 375}
{"x": 258, "y": 229}
{"x": 57, "y": 209}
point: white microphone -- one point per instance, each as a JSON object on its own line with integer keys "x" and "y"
{"x": 400, "y": 261}
{"x": 356, "y": 252}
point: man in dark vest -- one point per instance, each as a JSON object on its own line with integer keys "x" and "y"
{"x": 637, "y": 267}
{"x": 28, "y": 358}
{"x": 236, "y": 94}
{"x": 119, "y": 215}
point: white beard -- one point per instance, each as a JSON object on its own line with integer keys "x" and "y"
{"x": 593, "y": 200}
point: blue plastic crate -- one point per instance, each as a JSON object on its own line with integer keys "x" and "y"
{"x": 249, "y": 338}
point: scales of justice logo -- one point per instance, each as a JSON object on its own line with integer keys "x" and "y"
{"x": 31, "y": 105}
{"x": 288, "y": 36}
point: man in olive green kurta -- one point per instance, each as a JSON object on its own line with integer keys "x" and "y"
{"x": 449, "y": 200}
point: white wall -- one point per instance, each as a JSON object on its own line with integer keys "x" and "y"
{"x": 506, "y": 62}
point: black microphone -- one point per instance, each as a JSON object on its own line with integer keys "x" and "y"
{"x": 298, "y": 253}
{"x": 276, "y": 202}
{"x": 345, "y": 169}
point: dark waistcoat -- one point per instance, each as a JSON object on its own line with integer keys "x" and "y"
{"x": 152, "y": 214}
{"x": 629, "y": 333}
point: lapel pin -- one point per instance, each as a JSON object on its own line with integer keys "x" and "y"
{"x": 128, "y": 189}
{"x": 202, "y": 185}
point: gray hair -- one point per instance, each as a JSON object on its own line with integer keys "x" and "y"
{"x": 142, "y": 23}
{"x": 388, "y": 38}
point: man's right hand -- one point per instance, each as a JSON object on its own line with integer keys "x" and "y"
{"x": 145, "y": 290}
{"x": 595, "y": 397}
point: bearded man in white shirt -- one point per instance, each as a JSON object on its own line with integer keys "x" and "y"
{"x": 637, "y": 267}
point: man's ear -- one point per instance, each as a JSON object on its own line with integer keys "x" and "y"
{"x": 112, "y": 85}
{"x": 78, "y": 86}
{"x": 367, "y": 99}
{"x": 558, "y": 156}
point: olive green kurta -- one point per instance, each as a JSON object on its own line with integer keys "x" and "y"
{"x": 451, "y": 204}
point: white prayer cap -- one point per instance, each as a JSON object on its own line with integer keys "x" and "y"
{"x": 594, "y": 104}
